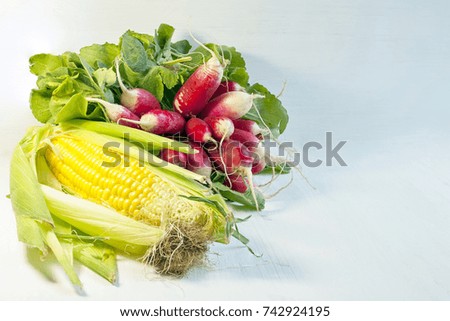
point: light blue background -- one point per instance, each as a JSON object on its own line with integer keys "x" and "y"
{"x": 375, "y": 73}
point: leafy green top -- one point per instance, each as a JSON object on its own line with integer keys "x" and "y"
{"x": 154, "y": 63}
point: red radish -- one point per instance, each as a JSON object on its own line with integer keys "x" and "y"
{"x": 174, "y": 157}
{"x": 195, "y": 93}
{"x": 138, "y": 100}
{"x": 236, "y": 183}
{"x": 233, "y": 105}
{"x": 199, "y": 163}
{"x": 247, "y": 125}
{"x": 221, "y": 127}
{"x": 198, "y": 131}
{"x": 245, "y": 137}
{"x": 117, "y": 113}
{"x": 258, "y": 166}
{"x": 158, "y": 121}
{"x": 251, "y": 141}
{"x": 227, "y": 86}
{"x": 231, "y": 157}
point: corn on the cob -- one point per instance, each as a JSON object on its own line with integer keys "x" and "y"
{"x": 161, "y": 214}
{"x": 129, "y": 187}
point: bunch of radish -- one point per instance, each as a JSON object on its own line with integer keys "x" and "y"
{"x": 208, "y": 112}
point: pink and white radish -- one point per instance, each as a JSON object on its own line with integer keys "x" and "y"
{"x": 247, "y": 125}
{"x": 258, "y": 166}
{"x": 197, "y": 130}
{"x": 255, "y": 147}
{"x": 199, "y": 163}
{"x": 251, "y": 142}
{"x": 158, "y": 121}
{"x": 221, "y": 127}
{"x": 227, "y": 86}
{"x": 174, "y": 157}
{"x": 233, "y": 105}
{"x": 138, "y": 100}
{"x": 236, "y": 183}
{"x": 117, "y": 113}
{"x": 245, "y": 137}
{"x": 233, "y": 158}
{"x": 195, "y": 93}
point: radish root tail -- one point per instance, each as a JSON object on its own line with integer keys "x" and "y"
{"x": 221, "y": 157}
{"x": 248, "y": 174}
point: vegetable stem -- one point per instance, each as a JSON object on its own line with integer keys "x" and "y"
{"x": 175, "y": 61}
{"x": 119, "y": 78}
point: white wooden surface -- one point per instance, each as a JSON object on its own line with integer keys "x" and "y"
{"x": 375, "y": 73}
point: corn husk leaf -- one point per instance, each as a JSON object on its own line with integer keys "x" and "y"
{"x": 98, "y": 257}
{"x": 61, "y": 227}
{"x": 35, "y": 226}
{"x": 122, "y": 232}
{"x": 24, "y": 186}
{"x": 139, "y": 137}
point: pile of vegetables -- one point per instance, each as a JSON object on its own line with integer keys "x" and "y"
{"x": 144, "y": 145}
